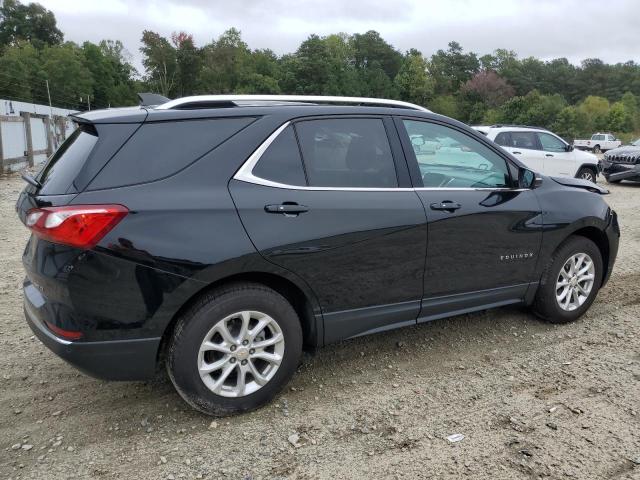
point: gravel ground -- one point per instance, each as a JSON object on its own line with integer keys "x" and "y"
{"x": 532, "y": 400}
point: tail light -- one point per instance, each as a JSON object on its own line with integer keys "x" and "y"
{"x": 61, "y": 332}
{"x": 81, "y": 226}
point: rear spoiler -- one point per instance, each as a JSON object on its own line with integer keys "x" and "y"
{"x": 151, "y": 99}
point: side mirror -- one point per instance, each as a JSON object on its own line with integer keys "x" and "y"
{"x": 528, "y": 179}
{"x": 569, "y": 148}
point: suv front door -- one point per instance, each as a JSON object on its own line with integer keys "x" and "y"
{"x": 484, "y": 233}
{"x": 557, "y": 160}
{"x": 331, "y": 201}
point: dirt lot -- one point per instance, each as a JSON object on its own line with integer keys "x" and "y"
{"x": 532, "y": 400}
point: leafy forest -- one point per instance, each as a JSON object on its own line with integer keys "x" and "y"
{"x": 498, "y": 87}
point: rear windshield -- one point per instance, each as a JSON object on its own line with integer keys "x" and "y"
{"x": 64, "y": 165}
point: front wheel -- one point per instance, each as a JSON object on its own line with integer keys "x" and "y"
{"x": 235, "y": 349}
{"x": 570, "y": 282}
{"x": 587, "y": 173}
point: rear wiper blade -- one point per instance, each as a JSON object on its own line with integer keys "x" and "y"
{"x": 31, "y": 181}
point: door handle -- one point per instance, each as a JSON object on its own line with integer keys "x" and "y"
{"x": 548, "y": 155}
{"x": 286, "y": 208}
{"x": 517, "y": 153}
{"x": 446, "y": 205}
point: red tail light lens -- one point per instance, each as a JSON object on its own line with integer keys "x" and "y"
{"x": 68, "y": 334}
{"x": 81, "y": 226}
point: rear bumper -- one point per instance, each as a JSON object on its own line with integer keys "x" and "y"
{"x": 132, "y": 359}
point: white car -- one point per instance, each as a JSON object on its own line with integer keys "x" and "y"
{"x": 543, "y": 151}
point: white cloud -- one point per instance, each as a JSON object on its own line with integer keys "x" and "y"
{"x": 543, "y": 28}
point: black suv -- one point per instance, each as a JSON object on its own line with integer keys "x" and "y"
{"x": 219, "y": 235}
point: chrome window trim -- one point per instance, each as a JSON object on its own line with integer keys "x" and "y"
{"x": 245, "y": 174}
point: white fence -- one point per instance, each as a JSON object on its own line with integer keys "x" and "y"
{"x": 30, "y": 133}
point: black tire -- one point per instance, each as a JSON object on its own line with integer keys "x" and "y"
{"x": 545, "y": 304}
{"x": 596, "y": 149}
{"x": 585, "y": 172}
{"x": 193, "y": 326}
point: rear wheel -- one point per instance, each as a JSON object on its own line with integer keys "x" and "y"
{"x": 596, "y": 149}
{"x": 587, "y": 173}
{"x": 570, "y": 282}
{"x": 235, "y": 349}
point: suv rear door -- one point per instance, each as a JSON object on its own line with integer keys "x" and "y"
{"x": 484, "y": 233}
{"x": 525, "y": 146}
{"x": 329, "y": 198}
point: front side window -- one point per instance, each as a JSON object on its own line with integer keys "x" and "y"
{"x": 281, "y": 162}
{"x": 526, "y": 140}
{"x": 455, "y": 160}
{"x": 349, "y": 152}
{"x": 551, "y": 144}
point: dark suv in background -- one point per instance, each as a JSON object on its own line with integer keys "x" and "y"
{"x": 220, "y": 234}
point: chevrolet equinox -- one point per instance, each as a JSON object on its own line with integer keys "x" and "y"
{"x": 219, "y": 235}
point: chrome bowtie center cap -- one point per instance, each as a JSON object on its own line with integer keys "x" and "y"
{"x": 242, "y": 353}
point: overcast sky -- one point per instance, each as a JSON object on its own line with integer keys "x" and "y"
{"x": 575, "y": 29}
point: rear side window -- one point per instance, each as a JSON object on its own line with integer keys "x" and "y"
{"x": 351, "y": 152}
{"x": 64, "y": 165}
{"x": 503, "y": 139}
{"x": 281, "y": 162}
{"x": 159, "y": 150}
{"x": 526, "y": 140}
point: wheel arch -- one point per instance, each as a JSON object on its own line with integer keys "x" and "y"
{"x": 303, "y": 302}
{"x": 599, "y": 237}
{"x": 590, "y": 166}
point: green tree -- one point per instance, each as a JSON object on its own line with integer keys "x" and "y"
{"x": 571, "y": 123}
{"x": 187, "y": 63}
{"x": 413, "y": 81}
{"x": 160, "y": 62}
{"x": 596, "y": 109}
{"x": 632, "y": 105}
{"x": 445, "y": 105}
{"x": 371, "y": 51}
{"x": 224, "y": 63}
{"x": 32, "y": 23}
{"x": 21, "y": 77}
{"x": 451, "y": 68}
{"x": 70, "y": 81}
{"x": 619, "y": 119}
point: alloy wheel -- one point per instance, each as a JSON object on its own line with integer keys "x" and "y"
{"x": 241, "y": 354}
{"x": 575, "y": 281}
{"x": 588, "y": 175}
